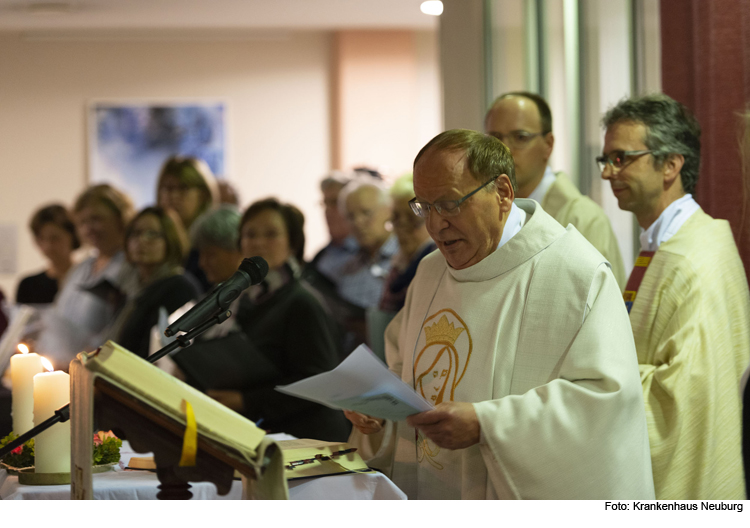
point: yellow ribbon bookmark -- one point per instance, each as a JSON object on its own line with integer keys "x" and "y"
{"x": 190, "y": 440}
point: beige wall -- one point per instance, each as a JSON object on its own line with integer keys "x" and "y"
{"x": 387, "y": 99}
{"x": 278, "y": 123}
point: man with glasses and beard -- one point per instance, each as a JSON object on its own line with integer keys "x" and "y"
{"x": 523, "y": 122}
{"x": 687, "y": 298}
{"x": 516, "y": 332}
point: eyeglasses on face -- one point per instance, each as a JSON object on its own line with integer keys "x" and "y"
{"x": 517, "y": 139}
{"x": 617, "y": 159}
{"x": 147, "y": 234}
{"x": 444, "y": 208}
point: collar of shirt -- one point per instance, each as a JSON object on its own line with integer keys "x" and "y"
{"x": 547, "y": 180}
{"x": 111, "y": 272}
{"x": 668, "y": 223}
{"x": 514, "y": 223}
{"x": 350, "y": 244}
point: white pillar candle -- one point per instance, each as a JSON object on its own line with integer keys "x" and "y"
{"x": 23, "y": 368}
{"x": 52, "y": 447}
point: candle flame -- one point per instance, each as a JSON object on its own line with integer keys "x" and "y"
{"x": 22, "y": 348}
{"x": 47, "y": 364}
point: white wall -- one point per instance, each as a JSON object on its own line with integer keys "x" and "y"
{"x": 278, "y": 124}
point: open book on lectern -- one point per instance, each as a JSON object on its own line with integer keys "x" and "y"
{"x": 167, "y": 395}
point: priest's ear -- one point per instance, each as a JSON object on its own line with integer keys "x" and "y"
{"x": 505, "y": 192}
{"x": 671, "y": 168}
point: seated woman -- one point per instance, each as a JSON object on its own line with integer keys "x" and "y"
{"x": 186, "y": 189}
{"x": 96, "y": 289}
{"x": 288, "y": 325}
{"x": 414, "y": 244}
{"x": 154, "y": 247}
{"x": 55, "y": 236}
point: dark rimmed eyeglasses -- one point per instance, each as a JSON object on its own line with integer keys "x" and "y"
{"x": 517, "y": 139}
{"x": 617, "y": 159}
{"x": 446, "y": 207}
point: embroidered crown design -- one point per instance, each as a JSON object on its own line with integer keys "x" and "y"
{"x": 442, "y": 331}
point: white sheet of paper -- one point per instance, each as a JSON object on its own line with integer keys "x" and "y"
{"x": 361, "y": 383}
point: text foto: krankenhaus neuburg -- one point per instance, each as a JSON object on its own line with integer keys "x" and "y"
{"x": 661, "y": 506}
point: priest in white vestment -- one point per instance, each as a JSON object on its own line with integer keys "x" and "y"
{"x": 523, "y": 121}
{"x": 688, "y": 301}
{"x": 516, "y": 331}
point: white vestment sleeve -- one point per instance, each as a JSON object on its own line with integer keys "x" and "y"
{"x": 581, "y": 435}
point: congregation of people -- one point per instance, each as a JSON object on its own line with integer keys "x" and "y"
{"x": 485, "y": 281}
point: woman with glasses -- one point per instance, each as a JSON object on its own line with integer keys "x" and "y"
{"x": 287, "y": 324}
{"x": 154, "y": 248}
{"x": 186, "y": 189}
{"x": 414, "y": 244}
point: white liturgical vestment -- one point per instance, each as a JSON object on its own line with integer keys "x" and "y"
{"x": 535, "y": 335}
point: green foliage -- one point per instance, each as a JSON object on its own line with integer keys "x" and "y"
{"x": 108, "y": 452}
{"x": 22, "y": 459}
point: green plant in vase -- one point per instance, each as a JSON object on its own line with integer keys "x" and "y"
{"x": 106, "y": 451}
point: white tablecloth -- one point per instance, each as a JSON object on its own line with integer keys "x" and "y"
{"x": 142, "y": 485}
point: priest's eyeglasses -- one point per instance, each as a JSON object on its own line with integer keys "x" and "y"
{"x": 617, "y": 159}
{"x": 445, "y": 208}
{"x": 517, "y": 139}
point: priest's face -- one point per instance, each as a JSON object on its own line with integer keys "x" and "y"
{"x": 516, "y": 122}
{"x": 638, "y": 185}
{"x": 475, "y": 232}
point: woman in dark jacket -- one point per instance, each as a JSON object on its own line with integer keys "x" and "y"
{"x": 55, "y": 236}
{"x": 287, "y": 323}
{"x": 154, "y": 248}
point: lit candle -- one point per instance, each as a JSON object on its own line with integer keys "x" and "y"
{"x": 23, "y": 368}
{"x": 52, "y": 447}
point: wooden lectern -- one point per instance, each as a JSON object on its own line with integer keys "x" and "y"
{"x": 117, "y": 390}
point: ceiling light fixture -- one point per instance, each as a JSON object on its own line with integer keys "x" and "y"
{"x": 432, "y": 7}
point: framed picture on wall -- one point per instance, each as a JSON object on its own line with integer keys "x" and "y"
{"x": 130, "y": 140}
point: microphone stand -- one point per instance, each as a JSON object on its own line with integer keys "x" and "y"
{"x": 63, "y": 413}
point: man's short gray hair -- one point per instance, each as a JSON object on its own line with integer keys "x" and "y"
{"x": 359, "y": 182}
{"x": 219, "y": 227}
{"x": 670, "y": 129}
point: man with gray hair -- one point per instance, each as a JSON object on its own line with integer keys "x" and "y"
{"x": 515, "y": 330}
{"x": 216, "y": 236}
{"x": 328, "y": 261}
{"x": 523, "y": 121}
{"x": 687, "y": 297}
{"x": 366, "y": 205}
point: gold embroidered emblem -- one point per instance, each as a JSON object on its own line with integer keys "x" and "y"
{"x": 440, "y": 366}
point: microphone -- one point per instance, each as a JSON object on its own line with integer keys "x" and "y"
{"x": 252, "y": 271}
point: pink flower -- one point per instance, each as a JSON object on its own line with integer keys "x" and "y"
{"x": 101, "y": 436}
{"x": 18, "y": 450}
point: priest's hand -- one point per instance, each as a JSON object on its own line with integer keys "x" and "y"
{"x": 363, "y": 423}
{"x": 230, "y": 398}
{"x": 451, "y": 425}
